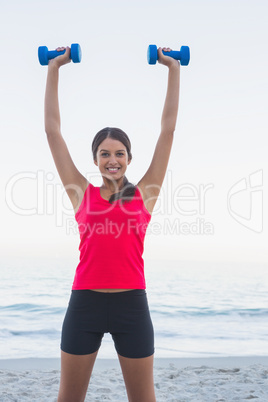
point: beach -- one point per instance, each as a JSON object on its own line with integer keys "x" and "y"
{"x": 186, "y": 379}
{"x": 210, "y": 324}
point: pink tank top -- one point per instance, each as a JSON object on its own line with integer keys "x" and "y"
{"x": 111, "y": 242}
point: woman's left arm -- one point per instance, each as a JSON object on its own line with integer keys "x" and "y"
{"x": 151, "y": 182}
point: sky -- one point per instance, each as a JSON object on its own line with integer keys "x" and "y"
{"x": 213, "y": 203}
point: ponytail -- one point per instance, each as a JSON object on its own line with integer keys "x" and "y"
{"x": 125, "y": 194}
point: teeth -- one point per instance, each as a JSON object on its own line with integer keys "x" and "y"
{"x": 113, "y": 169}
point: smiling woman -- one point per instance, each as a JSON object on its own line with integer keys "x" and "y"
{"x": 108, "y": 292}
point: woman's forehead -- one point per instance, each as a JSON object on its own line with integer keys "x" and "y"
{"x": 111, "y": 144}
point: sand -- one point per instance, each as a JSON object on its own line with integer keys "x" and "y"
{"x": 207, "y": 379}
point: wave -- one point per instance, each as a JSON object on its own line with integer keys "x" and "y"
{"x": 32, "y": 308}
{"x": 7, "y": 333}
{"x": 165, "y": 311}
{"x": 208, "y": 312}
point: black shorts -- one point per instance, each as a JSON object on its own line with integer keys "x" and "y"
{"x": 125, "y": 315}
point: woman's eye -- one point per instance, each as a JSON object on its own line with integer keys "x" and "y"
{"x": 106, "y": 153}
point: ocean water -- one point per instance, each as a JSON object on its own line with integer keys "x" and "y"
{"x": 198, "y": 309}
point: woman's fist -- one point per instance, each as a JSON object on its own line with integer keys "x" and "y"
{"x": 166, "y": 60}
{"x": 63, "y": 58}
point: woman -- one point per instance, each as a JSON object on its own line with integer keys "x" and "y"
{"x": 108, "y": 293}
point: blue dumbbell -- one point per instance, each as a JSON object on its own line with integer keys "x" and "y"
{"x": 44, "y": 55}
{"x": 183, "y": 55}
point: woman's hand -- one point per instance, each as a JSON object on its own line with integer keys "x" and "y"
{"x": 61, "y": 59}
{"x": 166, "y": 60}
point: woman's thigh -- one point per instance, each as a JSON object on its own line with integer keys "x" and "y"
{"x": 84, "y": 324}
{"x": 82, "y": 332}
{"x": 138, "y": 377}
{"x": 131, "y": 325}
{"x": 75, "y": 375}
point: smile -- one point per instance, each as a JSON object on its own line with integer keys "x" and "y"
{"x": 113, "y": 169}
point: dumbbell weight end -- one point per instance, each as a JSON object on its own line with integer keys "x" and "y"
{"x": 184, "y": 55}
{"x": 76, "y": 53}
{"x": 42, "y": 55}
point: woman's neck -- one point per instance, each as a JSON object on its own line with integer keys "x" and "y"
{"x": 113, "y": 186}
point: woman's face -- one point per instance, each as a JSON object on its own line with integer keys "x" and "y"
{"x": 112, "y": 159}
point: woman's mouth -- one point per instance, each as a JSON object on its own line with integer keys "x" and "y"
{"x": 113, "y": 170}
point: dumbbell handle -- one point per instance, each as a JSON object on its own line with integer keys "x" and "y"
{"x": 175, "y": 54}
{"x": 51, "y": 54}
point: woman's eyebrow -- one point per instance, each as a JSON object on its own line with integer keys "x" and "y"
{"x": 116, "y": 151}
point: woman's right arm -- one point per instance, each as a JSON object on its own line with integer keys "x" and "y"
{"x": 74, "y": 182}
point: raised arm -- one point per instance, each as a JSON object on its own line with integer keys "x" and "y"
{"x": 74, "y": 182}
{"x": 151, "y": 182}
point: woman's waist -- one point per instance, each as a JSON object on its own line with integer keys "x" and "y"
{"x": 111, "y": 290}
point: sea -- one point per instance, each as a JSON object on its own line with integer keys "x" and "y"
{"x": 198, "y": 309}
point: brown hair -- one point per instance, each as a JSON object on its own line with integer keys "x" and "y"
{"x": 128, "y": 190}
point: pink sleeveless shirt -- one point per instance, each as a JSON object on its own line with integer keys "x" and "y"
{"x": 111, "y": 242}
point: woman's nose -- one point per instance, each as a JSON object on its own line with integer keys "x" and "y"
{"x": 112, "y": 159}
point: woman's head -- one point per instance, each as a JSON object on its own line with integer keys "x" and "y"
{"x": 111, "y": 150}
{"x": 113, "y": 133}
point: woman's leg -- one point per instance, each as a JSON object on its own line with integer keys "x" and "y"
{"x": 133, "y": 335}
{"x": 82, "y": 332}
{"x": 138, "y": 377}
{"x": 75, "y": 375}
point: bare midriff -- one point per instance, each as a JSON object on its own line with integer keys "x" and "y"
{"x": 111, "y": 290}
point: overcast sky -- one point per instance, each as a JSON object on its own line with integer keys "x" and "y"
{"x": 219, "y": 155}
